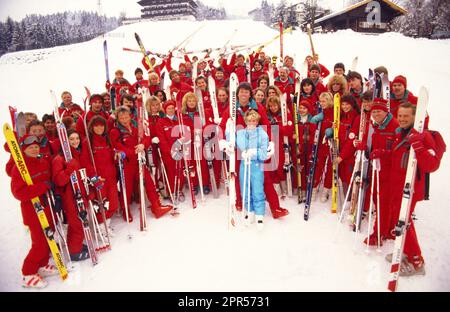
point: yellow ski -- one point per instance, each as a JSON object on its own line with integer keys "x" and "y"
{"x": 335, "y": 148}
{"x": 48, "y": 232}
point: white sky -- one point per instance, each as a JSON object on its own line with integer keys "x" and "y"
{"x": 18, "y": 9}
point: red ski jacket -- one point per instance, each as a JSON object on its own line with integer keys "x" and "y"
{"x": 39, "y": 170}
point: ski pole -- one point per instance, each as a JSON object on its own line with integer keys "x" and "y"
{"x": 370, "y": 209}
{"x": 248, "y": 185}
{"x": 58, "y": 226}
{"x": 166, "y": 178}
{"x": 245, "y": 189}
{"x": 377, "y": 166}
{"x": 124, "y": 193}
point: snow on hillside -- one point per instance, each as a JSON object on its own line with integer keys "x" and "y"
{"x": 196, "y": 252}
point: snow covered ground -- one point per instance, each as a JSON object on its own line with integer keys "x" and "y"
{"x": 196, "y": 252}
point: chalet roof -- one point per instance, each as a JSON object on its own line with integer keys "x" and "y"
{"x": 359, "y": 4}
{"x": 150, "y": 2}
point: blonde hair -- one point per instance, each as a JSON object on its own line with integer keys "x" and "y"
{"x": 273, "y": 87}
{"x": 121, "y": 109}
{"x": 30, "y": 114}
{"x": 328, "y": 96}
{"x": 273, "y": 100}
{"x": 186, "y": 98}
{"x": 337, "y": 79}
{"x": 251, "y": 114}
{"x": 153, "y": 75}
{"x": 65, "y": 92}
{"x": 150, "y": 101}
{"x": 119, "y": 71}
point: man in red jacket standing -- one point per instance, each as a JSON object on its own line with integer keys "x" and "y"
{"x": 384, "y": 125}
{"x": 400, "y": 94}
{"x": 427, "y": 161}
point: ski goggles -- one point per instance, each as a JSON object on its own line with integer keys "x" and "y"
{"x": 30, "y": 140}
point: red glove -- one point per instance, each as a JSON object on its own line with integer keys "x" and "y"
{"x": 415, "y": 136}
{"x": 72, "y": 166}
{"x": 378, "y": 153}
{"x": 416, "y": 140}
{"x": 107, "y": 85}
{"x": 361, "y": 146}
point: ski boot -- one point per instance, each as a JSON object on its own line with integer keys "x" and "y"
{"x": 48, "y": 270}
{"x": 181, "y": 197}
{"x": 80, "y": 256}
{"x": 250, "y": 218}
{"x": 373, "y": 240}
{"x": 160, "y": 210}
{"x": 279, "y": 212}
{"x": 34, "y": 281}
{"x": 325, "y": 195}
{"x": 414, "y": 267}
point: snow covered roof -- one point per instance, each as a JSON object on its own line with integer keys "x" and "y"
{"x": 357, "y": 5}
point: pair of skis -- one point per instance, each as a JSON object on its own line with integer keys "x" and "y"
{"x": 287, "y": 166}
{"x": 185, "y": 152}
{"x": 312, "y": 168}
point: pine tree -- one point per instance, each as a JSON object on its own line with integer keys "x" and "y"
{"x": 9, "y": 30}
{"x": 3, "y": 43}
{"x": 16, "y": 43}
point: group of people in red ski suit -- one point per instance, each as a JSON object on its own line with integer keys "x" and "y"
{"x": 113, "y": 136}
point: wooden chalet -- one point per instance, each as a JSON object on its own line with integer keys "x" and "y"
{"x": 355, "y": 17}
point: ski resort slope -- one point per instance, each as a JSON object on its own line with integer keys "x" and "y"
{"x": 196, "y": 251}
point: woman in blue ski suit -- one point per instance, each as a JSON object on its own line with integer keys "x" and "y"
{"x": 253, "y": 142}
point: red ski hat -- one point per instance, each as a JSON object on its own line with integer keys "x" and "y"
{"x": 28, "y": 140}
{"x": 169, "y": 103}
{"x": 380, "y": 104}
{"x": 307, "y": 104}
{"x": 400, "y": 79}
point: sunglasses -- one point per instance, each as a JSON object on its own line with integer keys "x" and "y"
{"x": 30, "y": 140}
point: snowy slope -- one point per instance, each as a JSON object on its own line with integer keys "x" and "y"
{"x": 196, "y": 252}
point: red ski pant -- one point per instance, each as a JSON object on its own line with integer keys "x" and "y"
{"x": 75, "y": 234}
{"x": 132, "y": 182}
{"x": 322, "y": 157}
{"x": 304, "y": 167}
{"x": 271, "y": 193}
{"x": 217, "y": 166}
{"x": 109, "y": 192}
{"x": 279, "y": 174}
{"x": 174, "y": 171}
{"x": 412, "y": 247}
{"x": 345, "y": 170}
{"x": 385, "y": 213}
{"x": 39, "y": 253}
{"x": 204, "y": 172}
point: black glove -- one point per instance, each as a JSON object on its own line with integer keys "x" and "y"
{"x": 58, "y": 203}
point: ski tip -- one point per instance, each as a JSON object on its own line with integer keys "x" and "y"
{"x": 6, "y": 127}
{"x": 392, "y": 286}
